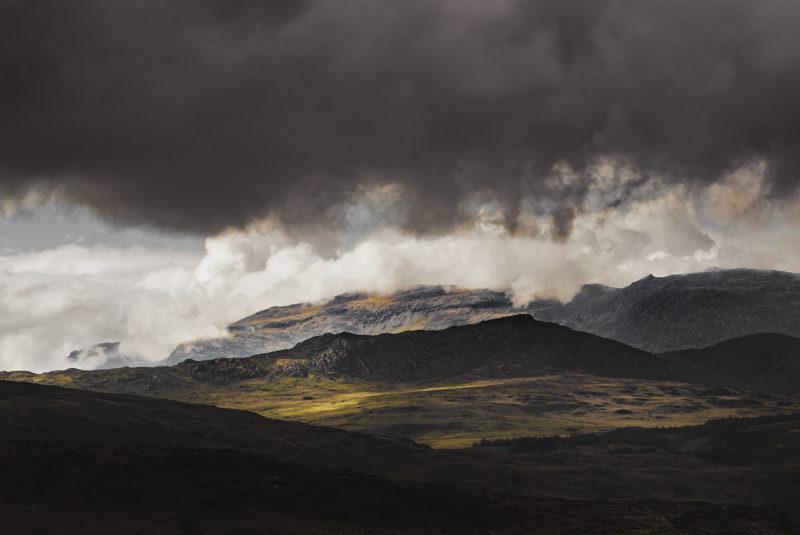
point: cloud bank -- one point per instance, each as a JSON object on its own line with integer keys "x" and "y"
{"x": 203, "y": 114}
{"x": 152, "y": 297}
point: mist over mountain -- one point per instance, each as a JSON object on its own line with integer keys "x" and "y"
{"x": 515, "y": 346}
{"x": 102, "y": 356}
{"x": 656, "y": 313}
{"x": 282, "y": 327}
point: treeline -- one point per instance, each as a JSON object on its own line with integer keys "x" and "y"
{"x": 727, "y": 440}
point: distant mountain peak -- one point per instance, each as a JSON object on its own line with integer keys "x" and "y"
{"x": 420, "y": 307}
{"x": 101, "y": 356}
{"x": 687, "y": 310}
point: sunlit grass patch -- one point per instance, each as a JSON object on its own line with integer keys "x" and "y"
{"x": 457, "y": 412}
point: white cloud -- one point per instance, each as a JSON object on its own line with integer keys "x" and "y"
{"x": 153, "y": 297}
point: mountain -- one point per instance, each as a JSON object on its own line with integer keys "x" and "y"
{"x": 85, "y": 462}
{"x": 499, "y": 378}
{"x": 514, "y": 346}
{"x": 663, "y": 314}
{"x": 282, "y": 327}
{"x": 657, "y": 314}
{"x": 769, "y": 362}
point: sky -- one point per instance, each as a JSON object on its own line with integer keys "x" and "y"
{"x": 167, "y": 168}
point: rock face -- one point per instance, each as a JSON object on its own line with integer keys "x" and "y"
{"x": 656, "y": 314}
{"x": 511, "y": 346}
{"x": 662, "y": 314}
{"x": 282, "y": 327}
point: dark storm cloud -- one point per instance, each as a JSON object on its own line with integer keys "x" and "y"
{"x": 199, "y": 114}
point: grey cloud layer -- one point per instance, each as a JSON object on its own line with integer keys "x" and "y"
{"x": 200, "y": 114}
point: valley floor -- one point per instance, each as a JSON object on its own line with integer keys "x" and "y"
{"x": 456, "y": 414}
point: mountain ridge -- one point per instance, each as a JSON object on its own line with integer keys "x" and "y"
{"x": 422, "y": 307}
{"x": 658, "y": 314}
{"x": 676, "y": 312}
{"x": 511, "y": 346}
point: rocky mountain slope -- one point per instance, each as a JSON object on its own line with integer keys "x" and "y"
{"x": 686, "y": 311}
{"x": 517, "y": 346}
{"x": 282, "y": 327}
{"x": 656, "y": 314}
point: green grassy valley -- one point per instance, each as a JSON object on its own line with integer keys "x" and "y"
{"x": 456, "y": 414}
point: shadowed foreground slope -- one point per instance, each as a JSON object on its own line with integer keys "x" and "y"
{"x": 81, "y": 462}
{"x": 769, "y": 362}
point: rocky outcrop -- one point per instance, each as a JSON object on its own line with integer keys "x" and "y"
{"x": 517, "y": 345}
{"x": 222, "y": 371}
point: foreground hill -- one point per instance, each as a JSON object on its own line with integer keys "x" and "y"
{"x": 81, "y": 418}
{"x": 84, "y": 462}
{"x": 656, "y": 313}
